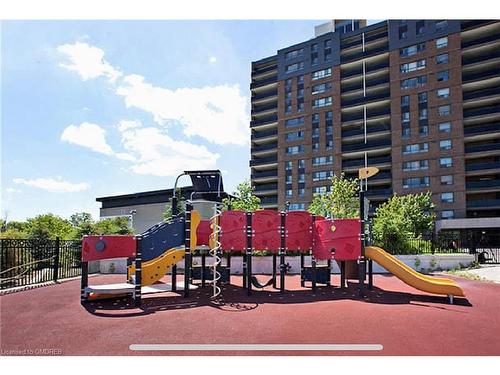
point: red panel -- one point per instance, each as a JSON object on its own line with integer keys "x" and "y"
{"x": 299, "y": 231}
{"x": 266, "y": 230}
{"x": 337, "y": 239}
{"x": 107, "y": 247}
{"x": 233, "y": 230}
{"x": 203, "y": 232}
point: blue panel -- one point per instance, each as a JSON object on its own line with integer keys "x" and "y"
{"x": 161, "y": 237}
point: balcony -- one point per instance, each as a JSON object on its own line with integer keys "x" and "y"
{"x": 264, "y": 174}
{"x": 361, "y": 162}
{"x": 369, "y": 113}
{"x": 488, "y": 203}
{"x": 268, "y": 201}
{"x": 365, "y": 146}
{"x": 365, "y": 54}
{"x": 484, "y": 39}
{"x": 263, "y": 161}
{"x": 265, "y": 134}
{"x": 264, "y": 120}
{"x": 369, "y": 84}
{"x": 368, "y": 39}
{"x": 379, "y": 192}
{"x": 473, "y": 24}
{"x": 263, "y": 82}
{"x": 481, "y": 129}
{"x": 369, "y": 69}
{"x": 264, "y": 95}
{"x": 481, "y": 111}
{"x": 482, "y": 184}
{"x": 263, "y": 108}
{"x": 265, "y": 147}
{"x": 257, "y": 71}
{"x": 366, "y": 99}
{"x": 370, "y": 130}
{"x": 481, "y": 93}
{"x": 381, "y": 176}
{"x": 481, "y": 58}
{"x": 482, "y": 148}
{"x": 482, "y": 166}
{"x": 484, "y": 74}
{"x": 265, "y": 187}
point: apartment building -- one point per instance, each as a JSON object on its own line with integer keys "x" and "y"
{"x": 418, "y": 99}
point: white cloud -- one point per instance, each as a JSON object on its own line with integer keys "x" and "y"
{"x": 11, "y": 190}
{"x": 212, "y": 60}
{"x": 87, "y": 135}
{"x": 88, "y": 61}
{"x": 217, "y": 114}
{"x": 159, "y": 155}
{"x": 57, "y": 185}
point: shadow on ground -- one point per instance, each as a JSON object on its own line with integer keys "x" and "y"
{"x": 235, "y": 299}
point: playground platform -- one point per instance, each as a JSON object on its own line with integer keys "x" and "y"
{"x": 404, "y": 321}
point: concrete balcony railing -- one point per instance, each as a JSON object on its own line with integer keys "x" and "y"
{"x": 488, "y": 110}
{"x": 370, "y": 130}
{"x": 264, "y": 95}
{"x": 481, "y": 93}
{"x": 484, "y": 74}
{"x": 361, "y": 162}
{"x": 480, "y": 58}
{"x": 369, "y": 69}
{"x": 482, "y": 166}
{"x": 264, "y": 120}
{"x": 263, "y": 82}
{"x": 264, "y": 174}
{"x": 369, "y": 113}
{"x": 487, "y": 203}
{"x": 264, "y": 134}
{"x": 475, "y": 185}
{"x": 481, "y": 129}
{"x": 366, "y": 146}
{"x": 263, "y": 161}
{"x": 482, "y": 148}
{"x": 265, "y": 147}
{"x": 366, "y": 99}
{"x": 482, "y": 40}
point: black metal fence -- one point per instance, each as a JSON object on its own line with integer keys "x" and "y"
{"x": 28, "y": 262}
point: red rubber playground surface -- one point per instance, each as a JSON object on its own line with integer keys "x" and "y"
{"x": 403, "y": 320}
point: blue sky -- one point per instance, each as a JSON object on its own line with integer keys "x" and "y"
{"x": 97, "y": 108}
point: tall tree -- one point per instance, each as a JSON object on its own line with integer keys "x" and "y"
{"x": 244, "y": 199}
{"x": 49, "y": 226}
{"x": 341, "y": 202}
{"x": 181, "y": 206}
{"x": 83, "y": 223}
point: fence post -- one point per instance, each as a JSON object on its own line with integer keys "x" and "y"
{"x": 433, "y": 242}
{"x": 56, "y": 259}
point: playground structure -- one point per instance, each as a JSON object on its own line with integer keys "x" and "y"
{"x": 153, "y": 253}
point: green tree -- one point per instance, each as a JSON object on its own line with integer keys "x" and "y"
{"x": 82, "y": 223}
{"x": 341, "y": 202}
{"x": 244, "y": 199}
{"x": 114, "y": 225}
{"x": 49, "y": 226}
{"x": 181, "y": 206}
{"x": 403, "y": 218}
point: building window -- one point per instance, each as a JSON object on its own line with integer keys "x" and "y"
{"x": 302, "y": 178}
{"x": 329, "y": 118}
{"x": 403, "y": 32}
{"x": 297, "y": 207}
{"x": 294, "y": 67}
{"x": 441, "y": 42}
{"x": 293, "y": 54}
{"x": 445, "y": 144}
{"x": 447, "y": 180}
{"x": 321, "y": 189}
{"x": 416, "y": 165}
{"x": 315, "y": 146}
{"x": 329, "y": 145}
{"x": 315, "y": 132}
{"x": 415, "y": 182}
{"x": 405, "y": 101}
{"x": 405, "y": 130}
{"x": 415, "y": 148}
{"x": 289, "y": 193}
{"x": 294, "y": 136}
{"x": 447, "y": 197}
{"x": 412, "y": 66}
{"x": 293, "y": 150}
{"x": 328, "y": 50}
{"x": 442, "y": 76}
{"x": 322, "y": 175}
{"x": 446, "y": 162}
{"x": 423, "y": 129}
{"x": 445, "y": 127}
{"x": 321, "y": 88}
{"x": 294, "y": 122}
{"x": 444, "y": 110}
{"x": 441, "y": 25}
{"x": 405, "y": 117}
{"x": 420, "y": 27}
{"x": 443, "y": 93}
{"x": 442, "y": 59}
{"x": 447, "y": 214}
{"x": 423, "y": 114}
{"x": 322, "y": 160}
{"x": 301, "y": 164}
{"x": 321, "y": 74}
{"x": 322, "y": 102}
{"x": 288, "y": 179}
{"x": 412, "y": 50}
{"x": 422, "y": 97}
{"x": 302, "y": 192}
{"x": 413, "y": 82}
{"x": 300, "y": 105}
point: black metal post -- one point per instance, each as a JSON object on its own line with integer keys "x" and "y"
{"x": 282, "y": 251}
{"x": 203, "y": 266}
{"x": 138, "y": 273}
{"x": 174, "y": 278}
{"x": 84, "y": 282}
{"x": 370, "y": 274}
{"x": 329, "y": 269}
{"x": 342, "y": 274}
{"x": 361, "y": 260}
{"x": 56, "y": 259}
{"x": 228, "y": 265}
{"x": 313, "y": 272}
{"x": 302, "y": 274}
{"x": 187, "y": 249}
{"x": 244, "y": 260}
{"x": 274, "y": 270}
{"x": 249, "y": 252}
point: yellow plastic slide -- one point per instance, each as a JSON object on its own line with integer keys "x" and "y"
{"x": 154, "y": 269}
{"x": 435, "y": 285}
